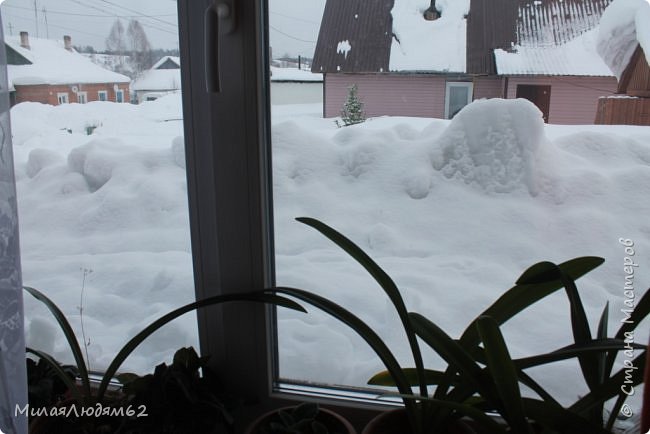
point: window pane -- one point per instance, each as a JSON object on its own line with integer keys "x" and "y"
{"x": 101, "y": 185}
{"x": 453, "y": 210}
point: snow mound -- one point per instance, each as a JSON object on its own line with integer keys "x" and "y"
{"x": 39, "y": 159}
{"x": 492, "y": 144}
{"x": 624, "y": 24}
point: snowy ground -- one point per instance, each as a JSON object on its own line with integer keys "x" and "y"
{"x": 454, "y": 211}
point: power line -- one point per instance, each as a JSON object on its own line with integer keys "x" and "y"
{"x": 290, "y": 36}
{"x": 137, "y": 12}
{"x": 72, "y": 14}
{"x": 111, "y": 13}
{"x": 294, "y": 18}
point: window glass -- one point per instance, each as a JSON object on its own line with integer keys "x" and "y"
{"x": 102, "y": 191}
{"x": 454, "y": 210}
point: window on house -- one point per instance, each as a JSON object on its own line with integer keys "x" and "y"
{"x": 457, "y": 96}
{"x": 82, "y": 97}
{"x": 102, "y": 95}
{"x": 62, "y": 97}
{"x": 119, "y": 95}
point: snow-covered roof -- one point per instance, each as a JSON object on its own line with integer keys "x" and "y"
{"x": 294, "y": 74}
{"x": 575, "y": 57}
{"x": 421, "y": 45}
{"x": 625, "y": 24}
{"x": 158, "y": 79}
{"x": 52, "y": 64}
{"x": 174, "y": 59}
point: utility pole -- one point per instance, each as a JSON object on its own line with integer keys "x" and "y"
{"x": 47, "y": 27}
{"x": 36, "y": 17}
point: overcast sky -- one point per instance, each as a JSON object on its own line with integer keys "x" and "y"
{"x": 294, "y": 23}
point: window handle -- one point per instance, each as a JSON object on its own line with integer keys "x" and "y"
{"x": 219, "y": 20}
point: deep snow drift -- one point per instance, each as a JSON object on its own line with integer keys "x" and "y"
{"x": 454, "y": 211}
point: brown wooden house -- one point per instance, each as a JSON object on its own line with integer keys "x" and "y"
{"x": 631, "y": 105}
{"x": 475, "y": 49}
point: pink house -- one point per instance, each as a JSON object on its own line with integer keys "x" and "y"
{"x": 416, "y": 58}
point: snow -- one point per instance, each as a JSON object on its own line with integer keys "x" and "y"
{"x": 53, "y": 64}
{"x": 453, "y": 210}
{"x": 576, "y": 57}
{"x": 344, "y": 48}
{"x": 443, "y": 39}
{"x": 294, "y": 74}
{"x": 624, "y": 25}
{"x": 158, "y": 80}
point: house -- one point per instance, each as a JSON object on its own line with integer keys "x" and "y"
{"x": 541, "y": 50}
{"x": 623, "y": 43}
{"x": 162, "y": 78}
{"x": 50, "y": 72}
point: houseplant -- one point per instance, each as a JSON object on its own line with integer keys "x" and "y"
{"x": 305, "y": 418}
{"x": 85, "y": 395}
{"x": 483, "y": 379}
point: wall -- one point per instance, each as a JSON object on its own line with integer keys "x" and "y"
{"x": 417, "y": 95}
{"x": 574, "y": 100}
{"x": 623, "y": 111}
{"x": 488, "y": 87}
{"x": 47, "y": 94}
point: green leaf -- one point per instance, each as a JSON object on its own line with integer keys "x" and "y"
{"x": 559, "y": 419}
{"x": 69, "y": 336}
{"x": 546, "y": 272}
{"x": 571, "y": 351}
{"x": 384, "y": 281}
{"x": 503, "y": 373}
{"x": 366, "y": 333}
{"x": 612, "y": 386}
{"x": 132, "y": 344}
{"x": 126, "y": 377}
{"x": 69, "y": 382}
{"x": 638, "y": 314}
{"x": 383, "y": 378}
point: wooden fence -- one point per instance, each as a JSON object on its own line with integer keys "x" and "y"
{"x": 623, "y": 111}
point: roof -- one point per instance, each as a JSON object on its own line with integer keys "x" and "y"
{"x": 625, "y": 25}
{"x": 50, "y": 63}
{"x": 526, "y": 36}
{"x": 168, "y": 62}
{"x": 294, "y": 75}
{"x": 535, "y": 37}
{"x": 158, "y": 79}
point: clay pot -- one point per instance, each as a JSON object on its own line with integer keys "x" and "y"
{"x": 396, "y": 422}
{"x": 334, "y": 422}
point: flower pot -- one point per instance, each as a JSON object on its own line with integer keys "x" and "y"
{"x": 334, "y": 422}
{"x": 396, "y": 422}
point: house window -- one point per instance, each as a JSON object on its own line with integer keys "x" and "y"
{"x": 62, "y": 97}
{"x": 457, "y": 96}
{"x": 82, "y": 97}
{"x": 102, "y": 95}
{"x": 119, "y": 95}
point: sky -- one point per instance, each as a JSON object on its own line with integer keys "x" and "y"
{"x": 293, "y": 25}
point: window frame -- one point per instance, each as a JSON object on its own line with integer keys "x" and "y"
{"x": 228, "y": 160}
{"x": 82, "y": 97}
{"x": 117, "y": 97}
{"x": 449, "y": 84}
{"x": 100, "y": 93}
{"x": 63, "y": 98}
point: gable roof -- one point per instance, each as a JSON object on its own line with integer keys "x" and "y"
{"x": 50, "y": 63}
{"x": 168, "y": 62}
{"x": 535, "y": 37}
{"x": 528, "y": 36}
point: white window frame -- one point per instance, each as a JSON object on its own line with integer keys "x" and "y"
{"x": 101, "y": 93}
{"x": 118, "y": 98}
{"x": 82, "y": 97}
{"x": 227, "y": 144}
{"x": 449, "y": 85}
{"x": 63, "y": 97}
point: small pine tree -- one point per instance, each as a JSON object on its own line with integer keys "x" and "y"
{"x": 352, "y": 112}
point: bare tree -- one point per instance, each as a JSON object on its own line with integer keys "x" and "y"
{"x": 140, "y": 48}
{"x": 116, "y": 43}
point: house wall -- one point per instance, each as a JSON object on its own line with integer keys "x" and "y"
{"x": 488, "y": 87}
{"x": 416, "y": 95}
{"x": 639, "y": 80}
{"x": 48, "y": 94}
{"x": 574, "y": 100}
